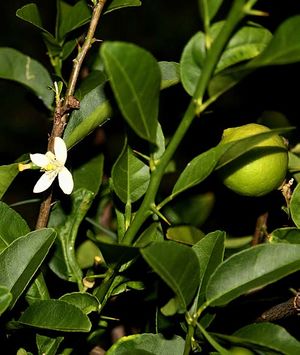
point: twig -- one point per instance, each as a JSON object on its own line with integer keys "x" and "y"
{"x": 282, "y": 310}
{"x": 260, "y": 232}
{"x": 64, "y": 107}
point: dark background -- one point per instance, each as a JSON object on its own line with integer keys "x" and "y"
{"x": 162, "y": 27}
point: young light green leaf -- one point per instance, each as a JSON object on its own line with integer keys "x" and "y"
{"x": 12, "y": 226}
{"x": 94, "y": 111}
{"x": 7, "y": 175}
{"x": 284, "y": 48}
{"x": 164, "y": 258}
{"x": 170, "y": 74}
{"x": 246, "y": 44}
{"x": 5, "y": 299}
{"x": 147, "y": 344}
{"x": 21, "y": 68}
{"x": 251, "y": 268}
{"x": 210, "y": 252}
{"x": 285, "y": 235}
{"x": 213, "y": 7}
{"x": 119, "y": 4}
{"x": 130, "y": 176}
{"x": 271, "y": 336}
{"x": 135, "y": 79}
{"x": 22, "y": 258}
{"x": 72, "y": 17}
{"x": 85, "y": 301}
{"x": 55, "y": 315}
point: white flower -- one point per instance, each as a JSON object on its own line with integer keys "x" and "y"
{"x": 53, "y": 165}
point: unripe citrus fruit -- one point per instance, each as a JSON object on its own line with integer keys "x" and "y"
{"x": 238, "y": 350}
{"x": 260, "y": 170}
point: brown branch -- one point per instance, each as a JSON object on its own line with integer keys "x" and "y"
{"x": 69, "y": 103}
{"x": 282, "y": 310}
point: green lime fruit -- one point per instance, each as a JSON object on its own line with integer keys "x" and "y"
{"x": 260, "y": 170}
{"x": 238, "y": 350}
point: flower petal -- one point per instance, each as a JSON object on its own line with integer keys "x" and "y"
{"x": 40, "y": 160}
{"x": 60, "y": 150}
{"x": 45, "y": 181}
{"x": 65, "y": 181}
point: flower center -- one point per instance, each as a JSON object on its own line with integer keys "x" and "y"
{"x": 54, "y": 164}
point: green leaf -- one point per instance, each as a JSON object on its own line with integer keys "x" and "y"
{"x": 130, "y": 176}
{"x": 185, "y": 234}
{"x": 48, "y": 345}
{"x": 246, "y": 44}
{"x": 285, "y": 235}
{"x": 23, "y": 69}
{"x": 147, "y": 344}
{"x": 12, "y": 226}
{"x": 22, "y": 258}
{"x": 271, "y": 336}
{"x": 170, "y": 74}
{"x": 164, "y": 258}
{"x": 30, "y": 13}
{"x": 135, "y": 79}
{"x": 94, "y": 111}
{"x": 89, "y": 175}
{"x": 72, "y": 17}
{"x": 96, "y": 78}
{"x": 119, "y": 4}
{"x": 64, "y": 262}
{"x": 198, "y": 169}
{"x": 294, "y": 205}
{"x": 210, "y": 252}
{"x": 213, "y": 7}
{"x": 5, "y": 299}
{"x": 86, "y": 302}
{"x": 284, "y": 48}
{"x": 153, "y": 233}
{"x": 251, "y": 268}
{"x": 7, "y": 175}
{"x": 55, "y": 315}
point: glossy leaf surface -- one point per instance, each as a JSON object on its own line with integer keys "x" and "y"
{"x": 21, "y": 68}
{"x": 22, "y": 258}
{"x": 94, "y": 111}
{"x": 147, "y": 344}
{"x": 55, "y": 315}
{"x": 85, "y": 301}
{"x": 210, "y": 252}
{"x": 12, "y": 226}
{"x": 250, "y": 269}
{"x": 130, "y": 176}
{"x": 135, "y": 79}
{"x": 5, "y": 299}
{"x": 7, "y": 175}
{"x": 119, "y": 4}
{"x": 184, "y": 280}
{"x": 270, "y": 335}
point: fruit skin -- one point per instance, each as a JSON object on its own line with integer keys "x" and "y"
{"x": 259, "y": 171}
{"x": 237, "y": 350}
